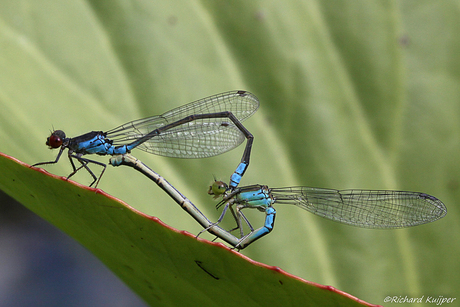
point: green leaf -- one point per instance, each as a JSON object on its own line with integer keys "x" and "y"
{"x": 360, "y": 94}
{"x": 163, "y": 265}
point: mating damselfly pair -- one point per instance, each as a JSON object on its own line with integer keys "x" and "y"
{"x": 212, "y": 126}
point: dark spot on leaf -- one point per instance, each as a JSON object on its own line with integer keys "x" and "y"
{"x": 200, "y": 264}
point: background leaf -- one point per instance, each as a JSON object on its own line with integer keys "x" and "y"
{"x": 353, "y": 95}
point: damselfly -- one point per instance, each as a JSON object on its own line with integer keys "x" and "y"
{"x": 204, "y": 128}
{"x": 362, "y": 208}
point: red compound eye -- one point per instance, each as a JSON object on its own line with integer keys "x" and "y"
{"x": 56, "y": 139}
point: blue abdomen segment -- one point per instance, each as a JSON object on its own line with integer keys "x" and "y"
{"x": 236, "y": 177}
{"x": 270, "y": 218}
{"x": 120, "y": 150}
{"x": 270, "y": 213}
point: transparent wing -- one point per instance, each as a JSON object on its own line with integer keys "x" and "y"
{"x": 365, "y": 208}
{"x": 197, "y": 139}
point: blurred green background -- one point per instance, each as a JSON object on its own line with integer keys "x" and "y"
{"x": 360, "y": 94}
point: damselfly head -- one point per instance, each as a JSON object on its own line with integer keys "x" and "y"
{"x": 56, "y": 139}
{"x": 217, "y": 188}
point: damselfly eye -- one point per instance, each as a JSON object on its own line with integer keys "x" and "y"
{"x": 56, "y": 139}
{"x": 217, "y": 188}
